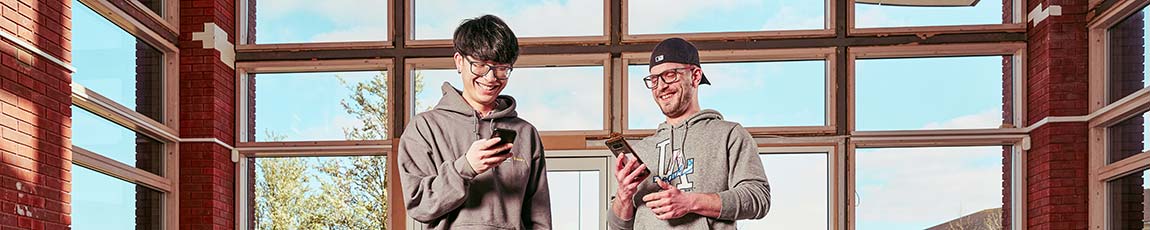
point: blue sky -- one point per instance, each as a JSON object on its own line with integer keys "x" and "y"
{"x": 789, "y": 93}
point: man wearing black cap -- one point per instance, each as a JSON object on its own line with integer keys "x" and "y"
{"x": 705, "y": 172}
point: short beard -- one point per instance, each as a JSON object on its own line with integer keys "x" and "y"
{"x": 684, "y": 103}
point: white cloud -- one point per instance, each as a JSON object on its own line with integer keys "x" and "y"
{"x": 986, "y": 119}
{"x": 654, "y": 16}
{"x": 331, "y": 130}
{"x": 927, "y": 185}
{"x": 788, "y": 18}
{"x": 568, "y": 98}
{"x": 352, "y": 20}
{"x": 799, "y": 192}
{"x": 868, "y": 17}
{"x": 362, "y": 33}
{"x": 437, "y": 19}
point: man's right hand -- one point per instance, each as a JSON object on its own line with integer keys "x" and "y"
{"x": 484, "y": 154}
{"x": 628, "y": 174}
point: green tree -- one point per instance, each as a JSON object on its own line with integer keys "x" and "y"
{"x": 283, "y": 197}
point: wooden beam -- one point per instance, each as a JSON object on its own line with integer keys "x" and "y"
{"x": 248, "y": 55}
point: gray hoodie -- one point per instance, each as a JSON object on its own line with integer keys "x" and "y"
{"x": 442, "y": 191}
{"x": 705, "y": 154}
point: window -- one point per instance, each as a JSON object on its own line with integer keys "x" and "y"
{"x": 111, "y": 140}
{"x": 870, "y": 13}
{"x": 786, "y": 93}
{"x": 348, "y": 192}
{"x": 116, "y": 64}
{"x": 122, "y": 149}
{"x": 535, "y": 18}
{"x": 923, "y": 188}
{"x": 336, "y": 106}
{"x": 660, "y": 17}
{"x": 1127, "y": 56}
{"x": 578, "y": 189}
{"x": 156, "y": 6}
{"x": 958, "y": 93}
{"x": 551, "y": 98}
{"x": 1129, "y": 202}
{"x": 1128, "y": 138}
{"x": 799, "y": 185}
{"x": 575, "y": 199}
{"x": 297, "y": 21}
{"x": 100, "y": 201}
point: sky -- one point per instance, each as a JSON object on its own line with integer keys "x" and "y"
{"x": 899, "y": 188}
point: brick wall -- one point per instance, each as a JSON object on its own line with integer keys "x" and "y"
{"x": 1057, "y": 86}
{"x": 35, "y": 151}
{"x": 207, "y": 110}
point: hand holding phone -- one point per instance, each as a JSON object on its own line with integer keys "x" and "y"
{"x": 629, "y": 169}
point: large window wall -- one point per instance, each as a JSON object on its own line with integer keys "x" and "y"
{"x": 1119, "y": 157}
{"x": 123, "y": 116}
{"x": 846, "y": 99}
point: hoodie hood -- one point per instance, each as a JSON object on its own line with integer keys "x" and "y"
{"x": 453, "y": 101}
{"x": 702, "y": 115}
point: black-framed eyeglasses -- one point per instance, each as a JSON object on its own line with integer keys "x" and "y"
{"x": 667, "y": 76}
{"x": 481, "y": 69}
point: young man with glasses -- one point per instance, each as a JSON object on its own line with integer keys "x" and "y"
{"x": 705, "y": 172}
{"x": 456, "y": 170}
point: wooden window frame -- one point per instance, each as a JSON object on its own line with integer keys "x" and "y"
{"x": 163, "y": 131}
{"x": 1018, "y": 24}
{"x": 1019, "y": 142}
{"x": 247, "y": 150}
{"x": 244, "y": 70}
{"x": 243, "y": 22}
{"x": 1103, "y": 114}
{"x": 828, "y": 55}
{"x": 836, "y": 170}
{"x": 1017, "y": 51}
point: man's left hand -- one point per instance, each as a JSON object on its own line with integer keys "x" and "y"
{"x": 669, "y": 203}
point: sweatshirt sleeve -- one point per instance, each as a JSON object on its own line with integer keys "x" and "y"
{"x": 537, "y": 203}
{"x": 431, "y": 187}
{"x": 750, "y": 197}
{"x": 614, "y": 222}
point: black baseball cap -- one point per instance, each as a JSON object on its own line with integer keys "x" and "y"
{"x": 676, "y": 50}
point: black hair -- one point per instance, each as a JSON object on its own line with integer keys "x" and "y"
{"x": 488, "y": 39}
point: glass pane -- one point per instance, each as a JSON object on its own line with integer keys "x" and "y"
{"x": 802, "y": 179}
{"x": 869, "y": 14}
{"x": 298, "y": 21}
{"x": 111, "y": 140}
{"x": 156, "y": 6}
{"x": 103, "y": 202}
{"x": 1128, "y": 56}
{"x": 321, "y": 192}
{"x": 551, "y": 98}
{"x": 115, "y": 64}
{"x": 787, "y": 93}
{"x": 929, "y": 188}
{"x": 906, "y": 93}
{"x": 1130, "y": 201}
{"x": 1128, "y": 138}
{"x": 575, "y": 199}
{"x": 336, "y": 106}
{"x": 437, "y": 19}
{"x": 659, "y": 17}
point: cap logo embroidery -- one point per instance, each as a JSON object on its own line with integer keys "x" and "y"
{"x": 659, "y": 58}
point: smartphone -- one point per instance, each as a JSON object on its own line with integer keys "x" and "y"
{"x": 620, "y": 148}
{"x": 506, "y": 136}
